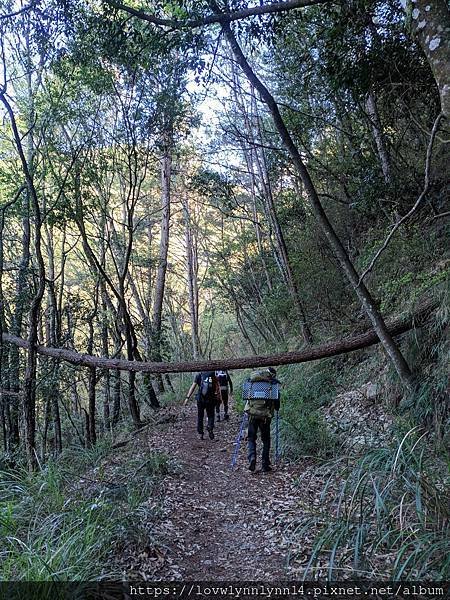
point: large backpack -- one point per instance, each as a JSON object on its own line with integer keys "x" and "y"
{"x": 207, "y": 388}
{"x": 260, "y": 391}
{"x": 222, "y": 378}
{"x": 261, "y": 375}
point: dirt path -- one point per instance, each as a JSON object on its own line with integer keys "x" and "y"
{"x": 214, "y": 523}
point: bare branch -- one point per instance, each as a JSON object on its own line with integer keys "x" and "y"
{"x": 5, "y": 207}
{"x": 442, "y": 215}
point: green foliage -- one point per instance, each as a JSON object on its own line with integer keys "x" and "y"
{"x": 55, "y": 528}
{"x": 303, "y": 430}
{"x": 214, "y": 187}
{"x": 49, "y": 535}
{"x": 410, "y": 268}
{"x": 109, "y": 94}
{"x": 428, "y": 405}
{"x": 390, "y": 518}
{"x": 7, "y": 523}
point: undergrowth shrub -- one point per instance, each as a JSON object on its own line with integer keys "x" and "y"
{"x": 428, "y": 353}
{"x": 389, "y": 520}
{"x": 303, "y": 430}
{"x": 46, "y": 535}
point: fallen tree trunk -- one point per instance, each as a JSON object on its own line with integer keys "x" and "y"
{"x": 326, "y": 350}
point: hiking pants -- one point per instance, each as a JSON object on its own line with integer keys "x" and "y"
{"x": 264, "y": 426}
{"x": 203, "y": 406}
{"x": 224, "y": 394}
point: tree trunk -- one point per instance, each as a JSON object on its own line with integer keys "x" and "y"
{"x": 87, "y": 426}
{"x": 243, "y": 330}
{"x": 91, "y": 412}
{"x": 116, "y": 390}
{"x": 92, "y": 381}
{"x": 166, "y": 168}
{"x": 4, "y": 355}
{"x": 132, "y": 403}
{"x": 191, "y": 272}
{"x": 53, "y": 336}
{"x": 328, "y": 349}
{"x": 249, "y": 157}
{"x": 3, "y": 418}
{"x": 429, "y": 21}
{"x": 169, "y": 383}
{"x": 256, "y": 155}
{"x": 47, "y": 413}
{"x": 123, "y": 315}
{"x": 105, "y": 350}
{"x": 29, "y": 390}
{"x": 282, "y": 249}
{"x": 54, "y": 398}
{"x": 20, "y": 302}
{"x": 347, "y": 267}
{"x": 378, "y": 136}
{"x": 104, "y": 321}
{"x": 75, "y": 398}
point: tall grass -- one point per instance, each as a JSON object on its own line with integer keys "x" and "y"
{"x": 389, "y": 519}
{"x": 53, "y": 529}
{"x": 46, "y": 536}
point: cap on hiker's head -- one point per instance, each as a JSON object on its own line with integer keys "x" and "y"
{"x": 272, "y": 371}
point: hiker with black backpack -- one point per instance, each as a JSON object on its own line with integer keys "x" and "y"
{"x": 225, "y": 385}
{"x": 206, "y": 397}
{"x": 262, "y": 392}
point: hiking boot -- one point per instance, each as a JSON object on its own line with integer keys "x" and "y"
{"x": 218, "y": 417}
{"x": 266, "y": 469}
{"x": 211, "y": 434}
{"x": 201, "y": 436}
{"x": 252, "y": 465}
{"x": 226, "y": 416}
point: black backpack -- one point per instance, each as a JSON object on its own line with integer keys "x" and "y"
{"x": 222, "y": 378}
{"x": 207, "y": 385}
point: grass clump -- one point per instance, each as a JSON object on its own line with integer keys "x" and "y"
{"x": 46, "y": 535}
{"x": 390, "y": 518}
{"x": 61, "y": 523}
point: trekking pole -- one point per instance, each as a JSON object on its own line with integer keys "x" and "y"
{"x": 277, "y": 437}
{"x": 237, "y": 443}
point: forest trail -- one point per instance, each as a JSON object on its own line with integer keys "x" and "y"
{"x": 214, "y": 523}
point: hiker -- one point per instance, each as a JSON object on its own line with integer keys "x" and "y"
{"x": 263, "y": 398}
{"x": 224, "y": 385}
{"x": 206, "y": 395}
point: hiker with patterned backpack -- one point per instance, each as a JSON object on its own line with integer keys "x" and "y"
{"x": 225, "y": 385}
{"x": 262, "y": 392}
{"x": 206, "y": 399}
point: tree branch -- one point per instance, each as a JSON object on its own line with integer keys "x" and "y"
{"x": 18, "y": 12}
{"x": 442, "y": 215}
{"x": 228, "y": 17}
{"x": 328, "y": 349}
